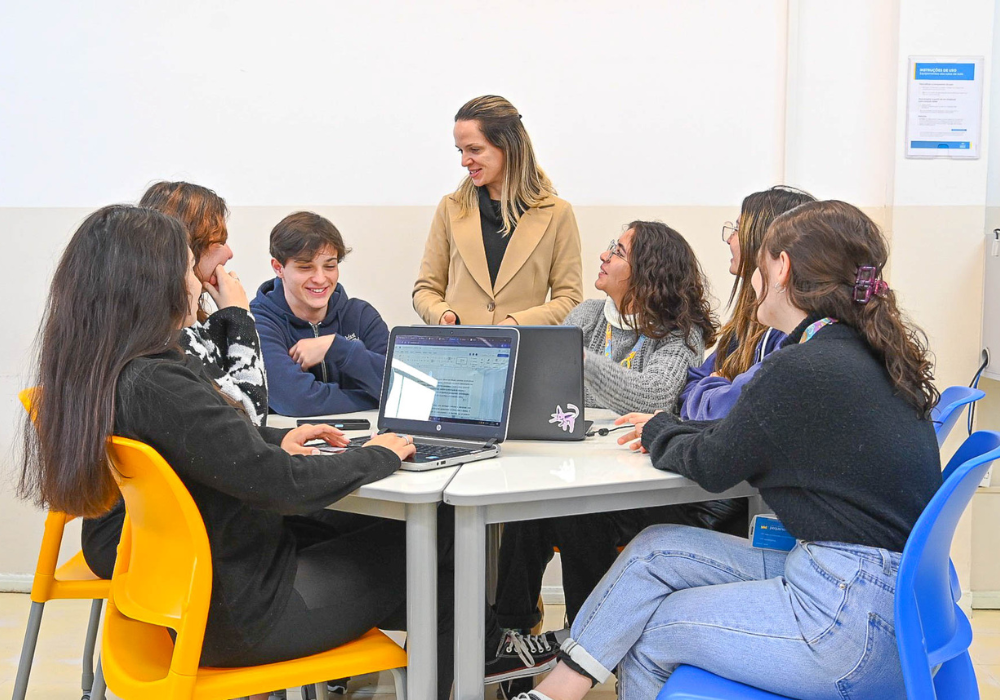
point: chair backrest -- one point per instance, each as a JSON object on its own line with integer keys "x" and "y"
{"x": 932, "y": 633}
{"x": 949, "y": 409}
{"x": 163, "y": 574}
{"x": 55, "y": 524}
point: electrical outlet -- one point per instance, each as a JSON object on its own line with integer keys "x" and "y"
{"x": 985, "y": 483}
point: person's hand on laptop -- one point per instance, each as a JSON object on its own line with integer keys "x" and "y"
{"x": 402, "y": 445}
{"x": 294, "y": 442}
{"x": 638, "y": 420}
{"x": 309, "y": 352}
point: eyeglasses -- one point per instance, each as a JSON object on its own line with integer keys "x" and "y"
{"x": 615, "y": 248}
{"x": 728, "y": 229}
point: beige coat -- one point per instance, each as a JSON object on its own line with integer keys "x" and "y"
{"x": 543, "y": 255}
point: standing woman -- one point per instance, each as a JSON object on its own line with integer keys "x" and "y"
{"x": 503, "y": 243}
{"x": 744, "y": 342}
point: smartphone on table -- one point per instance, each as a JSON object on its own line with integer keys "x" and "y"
{"x": 339, "y": 423}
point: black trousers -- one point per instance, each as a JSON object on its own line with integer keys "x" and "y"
{"x": 588, "y": 545}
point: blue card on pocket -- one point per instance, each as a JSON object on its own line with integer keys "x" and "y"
{"x": 767, "y": 532}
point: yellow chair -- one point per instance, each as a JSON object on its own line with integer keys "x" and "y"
{"x": 163, "y": 580}
{"x": 72, "y": 581}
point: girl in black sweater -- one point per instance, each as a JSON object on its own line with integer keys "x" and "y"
{"x": 834, "y": 430}
{"x": 282, "y": 587}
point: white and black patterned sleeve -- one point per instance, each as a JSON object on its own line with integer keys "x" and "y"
{"x": 228, "y": 345}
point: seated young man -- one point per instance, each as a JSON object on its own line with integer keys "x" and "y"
{"x": 324, "y": 352}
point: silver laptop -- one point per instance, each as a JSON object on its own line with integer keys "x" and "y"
{"x": 450, "y": 388}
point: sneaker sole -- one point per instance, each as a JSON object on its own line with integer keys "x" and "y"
{"x": 522, "y": 672}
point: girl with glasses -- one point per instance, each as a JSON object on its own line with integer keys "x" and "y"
{"x": 639, "y": 344}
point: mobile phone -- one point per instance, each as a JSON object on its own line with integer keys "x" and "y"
{"x": 340, "y": 423}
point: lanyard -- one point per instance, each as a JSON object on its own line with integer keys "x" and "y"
{"x": 627, "y": 362}
{"x": 812, "y": 328}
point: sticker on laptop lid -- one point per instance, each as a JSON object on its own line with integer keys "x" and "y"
{"x": 565, "y": 419}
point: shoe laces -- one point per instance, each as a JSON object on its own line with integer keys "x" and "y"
{"x": 525, "y": 645}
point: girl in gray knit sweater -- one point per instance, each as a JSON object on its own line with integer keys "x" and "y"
{"x": 638, "y": 360}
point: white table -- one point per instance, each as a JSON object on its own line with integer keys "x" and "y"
{"x": 412, "y": 497}
{"x": 532, "y": 480}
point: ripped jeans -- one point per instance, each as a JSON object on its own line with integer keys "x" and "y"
{"x": 815, "y": 622}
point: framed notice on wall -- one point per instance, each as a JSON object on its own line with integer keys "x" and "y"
{"x": 944, "y": 107}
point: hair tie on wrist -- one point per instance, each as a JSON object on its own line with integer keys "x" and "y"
{"x": 867, "y": 284}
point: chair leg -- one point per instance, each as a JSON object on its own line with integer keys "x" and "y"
{"x": 321, "y": 692}
{"x": 87, "y": 683}
{"x": 99, "y": 689}
{"x": 28, "y": 650}
{"x": 399, "y": 678}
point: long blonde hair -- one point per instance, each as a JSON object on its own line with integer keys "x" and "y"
{"x": 738, "y": 339}
{"x": 525, "y": 184}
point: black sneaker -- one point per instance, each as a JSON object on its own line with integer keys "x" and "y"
{"x": 521, "y": 655}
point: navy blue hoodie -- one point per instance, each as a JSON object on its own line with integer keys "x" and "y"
{"x": 350, "y": 376}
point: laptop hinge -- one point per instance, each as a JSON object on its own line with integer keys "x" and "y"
{"x": 491, "y": 442}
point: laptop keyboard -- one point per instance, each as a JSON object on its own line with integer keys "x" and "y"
{"x": 424, "y": 453}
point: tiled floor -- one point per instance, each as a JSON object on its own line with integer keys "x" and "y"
{"x": 56, "y": 671}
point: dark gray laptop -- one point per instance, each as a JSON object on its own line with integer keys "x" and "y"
{"x": 450, "y": 388}
{"x": 548, "y": 387}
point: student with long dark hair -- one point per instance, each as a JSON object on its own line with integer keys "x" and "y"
{"x": 638, "y": 346}
{"x": 503, "y": 248}
{"x": 835, "y": 432}
{"x": 281, "y": 589}
{"x": 744, "y": 342}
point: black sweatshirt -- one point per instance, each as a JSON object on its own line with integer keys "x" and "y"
{"x": 243, "y": 484}
{"x": 834, "y": 451}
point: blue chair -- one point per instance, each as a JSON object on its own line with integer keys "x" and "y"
{"x": 932, "y": 633}
{"x": 949, "y": 409}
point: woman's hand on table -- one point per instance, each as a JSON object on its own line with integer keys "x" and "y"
{"x": 633, "y": 437}
{"x": 294, "y": 442}
{"x": 402, "y": 445}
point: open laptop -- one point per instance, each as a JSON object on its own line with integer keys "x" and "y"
{"x": 450, "y": 388}
{"x": 548, "y": 390}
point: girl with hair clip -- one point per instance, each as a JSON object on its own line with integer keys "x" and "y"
{"x": 835, "y": 433}
{"x": 638, "y": 347}
{"x": 503, "y": 243}
{"x": 713, "y": 388}
{"x": 124, "y": 288}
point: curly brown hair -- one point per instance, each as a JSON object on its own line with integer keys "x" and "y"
{"x": 741, "y": 334}
{"x": 667, "y": 287}
{"x": 827, "y": 242}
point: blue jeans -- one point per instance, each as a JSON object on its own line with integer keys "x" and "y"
{"x": 816, "y": 622}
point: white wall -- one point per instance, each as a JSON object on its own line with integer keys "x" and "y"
{"x": 351, "y": 103}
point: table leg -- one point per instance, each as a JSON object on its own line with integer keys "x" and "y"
{"x": 470, "y": 602}
{"x": 421, "y": 600}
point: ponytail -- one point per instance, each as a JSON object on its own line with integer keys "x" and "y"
{"x": 838, "y": 255}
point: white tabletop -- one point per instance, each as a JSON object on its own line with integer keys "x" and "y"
{"x": 529, "y": 472}
{"x": 399, "y": 487}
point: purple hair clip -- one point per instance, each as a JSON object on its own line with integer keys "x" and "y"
{"x": 867, "y": 284}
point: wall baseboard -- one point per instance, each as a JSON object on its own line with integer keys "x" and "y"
{"x": 985, "y": 600}
{"x": 553, "y": 595}
{"x": 16, "y": 583}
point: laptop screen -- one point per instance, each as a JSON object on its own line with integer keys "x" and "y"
{"x": 448, "y": 379}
